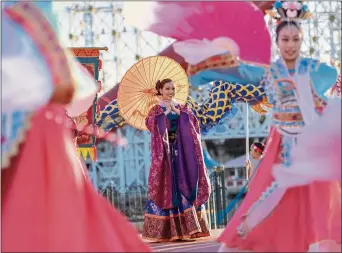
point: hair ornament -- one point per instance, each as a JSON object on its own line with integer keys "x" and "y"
{"x": 290, "y": 11}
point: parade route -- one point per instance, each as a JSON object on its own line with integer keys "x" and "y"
{"x": 208, "y": 244}
{"x": 196, "y": 246}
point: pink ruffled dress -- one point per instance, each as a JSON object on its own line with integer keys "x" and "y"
{"x": 47, "y": 202}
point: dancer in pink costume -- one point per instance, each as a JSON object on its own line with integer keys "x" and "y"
{"x": 317, "y": 157}
{"x": 318, "y": 154}
{"x": 48, "y": 205}
{"x": 273, "y": 218}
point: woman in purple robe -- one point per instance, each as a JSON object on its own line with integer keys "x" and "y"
{"x": 178, "y": 184}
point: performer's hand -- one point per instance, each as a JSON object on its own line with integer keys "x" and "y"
{"x": 168, "y": 110}
{"x": 248, "y": 164}
{"x": 174, "y": 109}
{"x": 168, "y": 107}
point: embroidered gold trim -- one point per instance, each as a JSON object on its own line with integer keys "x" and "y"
{"x": 215, "y": 62}
{"x": 197, "y": 232}
{"x": 319, "y": 102}
{"x": 86, "y": 52}
{"x": 288, "y": 117}
{"x": 173, "y": 215}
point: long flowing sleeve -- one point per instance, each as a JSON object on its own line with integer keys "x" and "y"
{"x": 109, "y": 118}
{"x": 34, "y": 66}
{"x": 160, "y": 176}
{"x": 221, "y": 102}
{"x": 216, "y": 108}
{"x": 193, "y": 180}
{"x": 219, "y": 105}
{"x": 26, "y": 79}
{"x": 323, "y": 77}
{"x": 269, "y": 89}
{"x": 85, "y": 89}
{"x": 198, "y": 111}
{"x": 192, "y": 117}
{"x": 151, "y": 119}
{"x": 26, "y": 85}
{"x": 319, "y": 146}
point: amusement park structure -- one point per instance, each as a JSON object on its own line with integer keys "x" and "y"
{"x": 100, "y": 24}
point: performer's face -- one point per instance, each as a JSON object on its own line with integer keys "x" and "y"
{"x": 255, "y": 154}
{"x": 290, "y": 42}
{"x": 168, "y": 91}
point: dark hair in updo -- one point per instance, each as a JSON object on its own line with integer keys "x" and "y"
{"x": 259, "y": 145}
{"x": 160, "y": 84}
{"x": 283, "y": 24}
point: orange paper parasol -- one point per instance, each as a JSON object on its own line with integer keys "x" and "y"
{"x": 137, "y": 93}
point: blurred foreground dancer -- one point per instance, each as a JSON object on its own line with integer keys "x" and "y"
{"x": 48, "y": 205}
{"x": 318, "y": 154}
